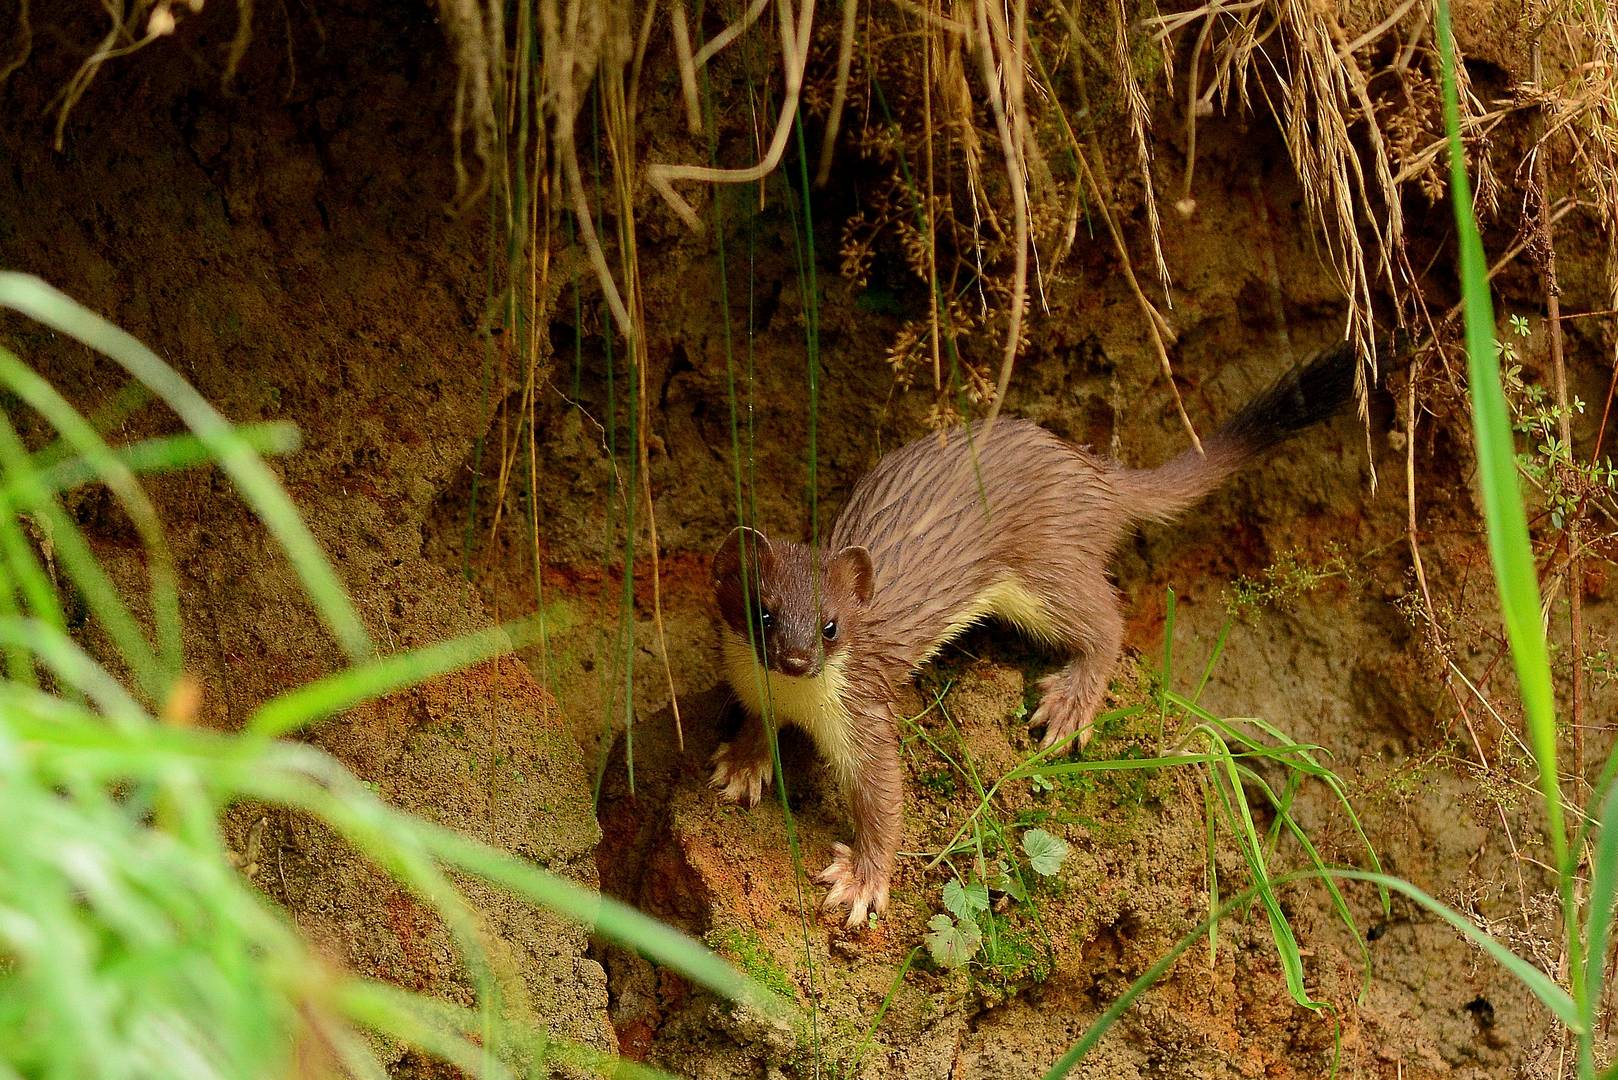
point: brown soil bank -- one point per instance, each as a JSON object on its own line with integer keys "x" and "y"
{"x": 283, "y": 243}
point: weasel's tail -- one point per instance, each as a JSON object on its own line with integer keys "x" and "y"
{"x": 1311, "y": 392}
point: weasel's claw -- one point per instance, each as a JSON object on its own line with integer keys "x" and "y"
{"x": 861, "y": 889}
{"x": 741, "y": 782}
{"x": 1060, "y": 715}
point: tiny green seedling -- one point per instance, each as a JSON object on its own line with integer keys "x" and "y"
{"x": 1566, "y": 483}
{"x": 955, "y": 939}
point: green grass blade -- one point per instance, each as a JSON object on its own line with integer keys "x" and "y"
{"x": 1509, "y": 548}
{"x": 22, "y": 581}
{"x": 1603, "y": 894}
{"x": 77, "y": 432}
{"x": 864, "y": 1045}
{"x": 114, "y": 412}
{"x": 32, "y": 297}
{"x": 1213, "y": 659}
{"x": 1161, "y": 761}
{"x": 1031, "y": 767}
{"x": 1167, "y": 674}
{"x": 609, "y": 918}
{"x": 1306, "y": 763}
{"x": 73, "y": 552}
{"x": 1537, "y": 982}
{"x": 1339, "y": 904}
{"x": 1286, "y": 943}
{"x": 72, "y": 666}
{"x": 1515, "y": 575}
{"x": 418, "y": 1022}
{"x": 1144, "y": 982}
{"x": 1211, "y": 852}
{"x": 1541, "y": 985}
{"x": 407, "y": 1016}
{"x": 301, "y": 776}
{"x": 168, "y": 453}
{"x": 364, "y": 682}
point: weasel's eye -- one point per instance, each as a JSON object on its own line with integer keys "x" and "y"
{"x": 766, "y": 619}
{"x": 829, "y": 631}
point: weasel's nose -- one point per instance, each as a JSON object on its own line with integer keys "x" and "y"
{"x": 794, "y": 665}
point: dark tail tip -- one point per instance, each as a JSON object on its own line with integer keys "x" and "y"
{"x": 1311, "y": 392}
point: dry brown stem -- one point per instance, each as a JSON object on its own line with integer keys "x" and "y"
{"x": 730, "y": 33}
{"x": 474, "y": 45}
{"x": 1157, "y": 327}
{"x": 688, "y": 68}
{"x": 1139, "y": 125}
{"x": 25, "y": 43}
{"x": 845, "y": 60}
{"x": 133, "y": 28}
{"x": 795, "y": 35}
{"x": 1007, "y": 52}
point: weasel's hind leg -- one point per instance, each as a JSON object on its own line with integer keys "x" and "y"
{"x": 1092, "y": 626}
{"x": 742, "y": 767}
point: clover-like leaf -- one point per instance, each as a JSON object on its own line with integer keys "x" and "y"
{"x": 1045, "y": 852}
{"x": 951, "y": 942}
{"x": 963, "y": 900}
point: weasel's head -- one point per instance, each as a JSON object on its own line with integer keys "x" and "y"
{"x": 802, "y": 604}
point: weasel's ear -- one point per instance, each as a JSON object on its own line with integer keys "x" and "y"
{"x": 851, "y": 571}
{"x": 741, "y": 547}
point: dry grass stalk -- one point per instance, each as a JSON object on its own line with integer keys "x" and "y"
{"x": 620, "y": 125}
{"x": 569, "y": 71}
{"x": 1313, "y": 88}
{"x": 24, "y": 34}
{"x": 1158, "y": 330}
{"x": 682, "y": 56}
{"x": 133, "y": 28}
{"x": 845, "y": 60}
{"x": 730, "y": 33}
{"x": 1139, "y": 127}
{"x": 240, "y": 40}
{"x": 478, "y": 59}
{"x": 998, "y": 49}
{"x": 582, "y": 44}
{"x": 795, "y": 35}
{"x": 642, "y": 40}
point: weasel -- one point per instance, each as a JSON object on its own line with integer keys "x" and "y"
{"x": 1010, "y": 522}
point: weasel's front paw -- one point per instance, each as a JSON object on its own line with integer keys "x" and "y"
{"x": 1061, "y": 713}
{"x": 863, "y": 889}
{"x": 739, "y": 781}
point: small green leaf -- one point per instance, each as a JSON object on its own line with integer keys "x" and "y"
{"x": 1045, "y": 852}
{"x": 1003, "y": 881}
{"x": 962, "y": 900}
{"x": 952, "y": 943}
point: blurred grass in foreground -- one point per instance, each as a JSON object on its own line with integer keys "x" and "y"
{"x": 129, "y": 944}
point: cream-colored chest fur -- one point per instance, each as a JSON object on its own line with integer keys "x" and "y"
{"x": 814, "y": 703}
{"x": 818, "y": 704}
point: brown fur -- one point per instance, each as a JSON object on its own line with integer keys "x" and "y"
{"x": 1015, "y": 523}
